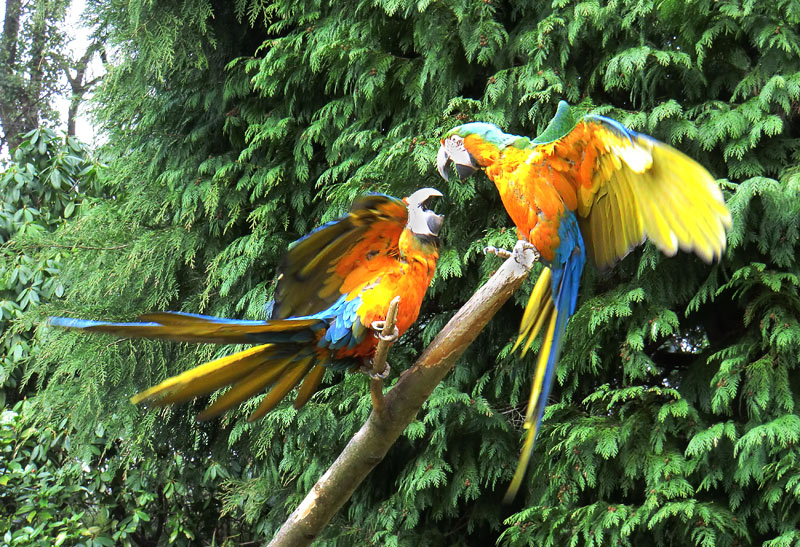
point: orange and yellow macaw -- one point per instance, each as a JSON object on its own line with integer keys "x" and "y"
{"x": 586, "y": 187}
{"x": 333, "y": 284}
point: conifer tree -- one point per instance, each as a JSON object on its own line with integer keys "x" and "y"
{"x": 235, "y": 129}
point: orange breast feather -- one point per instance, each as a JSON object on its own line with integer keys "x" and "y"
{"x": 377, "y": 281}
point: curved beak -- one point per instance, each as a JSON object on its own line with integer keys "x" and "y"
{"x": 421, "y": 220}
{"x": 442, "y": 159}
{"x": 452, "y": 150}
{"x": 418, "y": 198}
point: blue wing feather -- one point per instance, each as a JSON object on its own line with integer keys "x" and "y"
{"x": 615, "y": 126}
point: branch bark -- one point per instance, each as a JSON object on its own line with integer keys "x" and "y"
{"x": 36, "y": 64}
{"x": 387, "y": 336}
{"x": 371, "y": 443}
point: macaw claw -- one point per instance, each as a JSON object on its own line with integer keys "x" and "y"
{"x": 378, "y": 327}
{"x": 387, "y": 370}
{"x": 521, "y": 247}
{"x": 366, "y": 368}
{"x": 502, "y": 253}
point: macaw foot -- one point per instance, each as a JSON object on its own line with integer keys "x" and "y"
{"x": 502, "y": 253}
{"x": 367, "y": 366}
{"x": 520, "y": 248}
{"x": 378, "y": 327}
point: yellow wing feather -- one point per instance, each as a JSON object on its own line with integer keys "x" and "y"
{"x": 641, "y": 188}
{"x": 315, "y": 267}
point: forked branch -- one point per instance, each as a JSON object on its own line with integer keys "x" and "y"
{"x": 371, "y": 443}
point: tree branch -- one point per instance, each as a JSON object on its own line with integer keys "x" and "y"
{"x": 371, "y": 443}
{"x": 387, "y": 336}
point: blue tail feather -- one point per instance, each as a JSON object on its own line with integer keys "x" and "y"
{"x": 178, "y": 315}
{"x": 567, "y": 269}
{"x": 71, "y": 323}
{"x": 339, "y": 320}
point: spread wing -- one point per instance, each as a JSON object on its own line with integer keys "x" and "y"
{"x": 628, "y": 186}
{"x": 314, "y": 268}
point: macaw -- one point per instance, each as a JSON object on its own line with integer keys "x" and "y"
{"x": 333, "y": 283}
{"x": 589, "y": 187}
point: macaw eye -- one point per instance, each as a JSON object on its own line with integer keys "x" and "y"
{"x": 455, "y": 147}
{"x": 460, "y": 156}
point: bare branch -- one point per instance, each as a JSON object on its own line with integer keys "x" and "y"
{"x": 388, "y": 335}
{"x": 370, "y": 444}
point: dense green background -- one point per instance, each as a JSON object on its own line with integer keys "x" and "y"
{"x": 232, "y": 130}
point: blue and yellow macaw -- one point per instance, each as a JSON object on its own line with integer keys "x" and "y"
{"x": 333, "y": 284}
{"x": 586, "y": 187}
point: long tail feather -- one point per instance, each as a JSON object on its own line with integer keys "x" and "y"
{"x": 250, "y": 385}
{"x": 284, "y": 360}
{"x": 205, "y": 378}
{"x": 552, "y": 302}
{"x": 284, "y": 385}
{"x": 537, "y": 310}
{"x": 540, "y": 390}
{"x": 182, "y": 327}
{"x": 310, "y": 384}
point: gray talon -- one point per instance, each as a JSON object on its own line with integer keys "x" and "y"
{"x": 381, "y": 375}
{"x": 378, "y": 327}
{"x": 521, "y": 247}
{"x": 502, "y": 253}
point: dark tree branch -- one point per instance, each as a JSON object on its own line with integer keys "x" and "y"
{"x": 77, "y": 83}
{"x": 8, "y": 43}
{"x": 371, "y": 443}
{"x": 40, "y": 18}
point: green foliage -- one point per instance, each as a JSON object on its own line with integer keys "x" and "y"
{"x": 32, "y": 62}
{"x": 673, "y": 421}
{"x": 56, "y": 494}
{"x": 47, "y": 181}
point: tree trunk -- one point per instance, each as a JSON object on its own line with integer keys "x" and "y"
{"x": 79, "y": 87}
{"x": 9, "y": 89}
{"x": 36, "y": 64}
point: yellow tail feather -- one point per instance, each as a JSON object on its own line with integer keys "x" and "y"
{"x": 540, "y": 305}
{"x": 310, "y": 385}
{"x": 531, "y": 423}
{"x": 203, "y": 379}
{"x": 248, "y": 386}
{"x": 288, "y": 380}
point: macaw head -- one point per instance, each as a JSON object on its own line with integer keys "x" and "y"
{"x": 470, "y": 147}
{"x": 421, "y": 220}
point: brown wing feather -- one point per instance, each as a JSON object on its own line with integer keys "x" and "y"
{"x": 313, "y": 270}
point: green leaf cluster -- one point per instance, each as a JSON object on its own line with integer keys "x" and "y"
{"x": 54, "y": 493}
{"x": 49, "y": 177}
